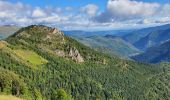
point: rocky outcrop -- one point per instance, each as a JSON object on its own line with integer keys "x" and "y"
{"x": 60, "y": 53}
{"x": 75, "y": 55}
{"x": 57, "y": 32}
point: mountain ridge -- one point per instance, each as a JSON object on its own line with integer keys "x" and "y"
{"x": 153, "y": 38}
{"x": 114, "y": 44}
{"x": 135, "y": 36}
{"x": 155, "y": 54}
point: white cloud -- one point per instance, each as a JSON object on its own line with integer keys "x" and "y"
{"x": 163, "y": 20}
{"x": 118, "y": 13}
{"x": 89, "y": 9}
{"x": 118, "y": 10}
{"x": 37, "y": 12}
{"x": 68, "y": 8}
{"x": 165, "y": 10}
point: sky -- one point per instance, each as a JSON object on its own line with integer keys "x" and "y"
{"x": 85, "y": 14}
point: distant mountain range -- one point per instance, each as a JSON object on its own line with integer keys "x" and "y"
{"x": 127, "y": 43}
{"x": 155, "y": 54}
{"x": 152, "y": 39}
{"x": 136, "y": 35}
{"x": 82, "y": 34}
{"x": 7, "y": 30}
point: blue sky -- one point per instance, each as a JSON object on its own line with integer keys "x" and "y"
{"x": 77, "y": 3}
{"x": 74, "y": 3}
{"x": 62, "y": 3}
{"x": 85, "y": 14}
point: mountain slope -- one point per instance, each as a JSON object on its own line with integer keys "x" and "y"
{"x": 84, "y": 34}
{"x": 152, "y": 39}
{"x": 135, "y": 36}
{"x": 69, "y": 70}
{"x": 155, "y": 54}
{"x": 114, "y": 44}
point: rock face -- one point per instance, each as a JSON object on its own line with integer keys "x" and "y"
{"x": 57, "y": 31}
{"x": 60, "y": 53}
{"x": 54, "y": 33}
{"x": 75, "y": 55}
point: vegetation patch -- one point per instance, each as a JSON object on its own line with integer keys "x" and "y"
{"x": 9, "y": 97}
{"x": 2, "y": 44}
{"x": 31, "y": 57}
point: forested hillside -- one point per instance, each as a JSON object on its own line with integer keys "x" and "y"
{"x": 40, "y": 62}
{"x": 110, "y": 44}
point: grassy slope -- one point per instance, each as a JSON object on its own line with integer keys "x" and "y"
{"x": 31, "y": 57}
{"x": 25, "y": 56}
{"x": 2, "y": 44}
{"x": 9, "y": 97}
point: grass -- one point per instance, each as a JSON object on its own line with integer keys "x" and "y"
{"x": 8, "y": 97}
{"x": 2, "y": 44}
{"x": 30, "y": 56}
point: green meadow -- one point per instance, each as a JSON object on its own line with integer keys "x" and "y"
{"x": 30, "y": 56}
{"x": 9, "y": 97}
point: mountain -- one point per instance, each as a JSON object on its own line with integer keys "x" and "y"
{"x": 152, "y": 39}
{"x": 136, "y": 35}
{"x": 84, "y": 34}
{"x": 113, "y": 44}
{"x": 7, "y": 30}
{"x": 123, "y": 43}
{"x": 155, "y": 54}
{"x": 39, "y": 62}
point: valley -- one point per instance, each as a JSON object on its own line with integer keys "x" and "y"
{"x": 129, "y": 43}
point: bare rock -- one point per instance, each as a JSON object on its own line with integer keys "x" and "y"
{"x": 60, "y": 53}
{"x": 75, "y": 55}
{"x": 56, "y": 32}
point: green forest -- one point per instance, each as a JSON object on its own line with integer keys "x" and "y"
{"x": 41, "y": 63}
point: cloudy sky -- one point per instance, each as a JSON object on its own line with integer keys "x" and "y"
{"x": 85, "y": 14}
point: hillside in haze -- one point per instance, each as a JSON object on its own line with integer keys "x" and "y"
{"x": 152, "y": 39}
{"x": 40, "y": 62}
{"x": 82, "y": 34}
{"x": 134, "y": 36}
{"x": 128, "y": 43}
{"x": 115, "y": 45}
{"x": 7, "y": 30}
{"x": 155, "y": 54}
